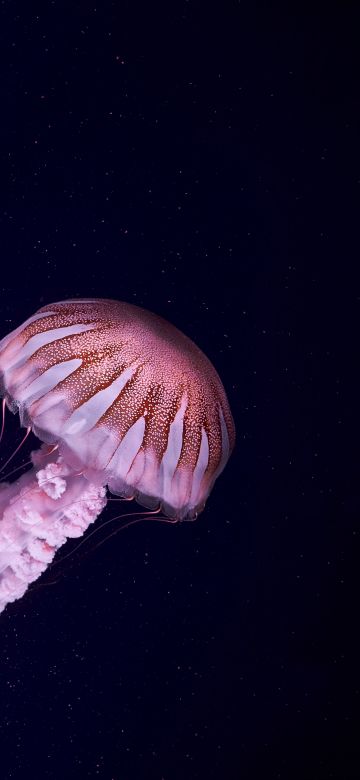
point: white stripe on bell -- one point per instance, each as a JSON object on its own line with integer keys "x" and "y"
{"x": 172, "y": 454}
{"x": 90, "y": 412}
{"x": 42, "y": 339}
{"x": 10, "y": 336}
{"x": 127, "y": 450}
{"x": 47, "y": 381}
{"x": 200, "y": 468}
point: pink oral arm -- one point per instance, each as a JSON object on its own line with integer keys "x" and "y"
{"x": 38, "y": 513}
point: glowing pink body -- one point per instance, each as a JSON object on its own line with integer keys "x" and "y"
{"x": 130, "y": 401}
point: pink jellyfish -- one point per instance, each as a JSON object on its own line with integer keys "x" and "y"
{"x": 121, "y": 399}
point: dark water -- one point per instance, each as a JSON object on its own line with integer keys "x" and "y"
{"x": 203, "y": 164}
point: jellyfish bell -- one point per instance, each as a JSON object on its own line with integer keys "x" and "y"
{"x": 120, "y": 398}
{"x": 129, "y": 399}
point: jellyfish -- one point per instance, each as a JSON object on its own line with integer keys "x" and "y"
{"x": 123, "y": 402}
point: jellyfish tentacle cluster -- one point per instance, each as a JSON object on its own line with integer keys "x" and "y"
{"x": 39, "y": 512}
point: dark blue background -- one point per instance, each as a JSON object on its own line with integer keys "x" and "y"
{"x": 200, "y": 160}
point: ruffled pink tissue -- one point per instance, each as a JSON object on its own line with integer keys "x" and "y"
{"x": 38, "y": 513}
